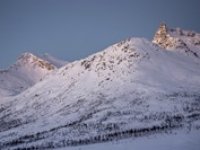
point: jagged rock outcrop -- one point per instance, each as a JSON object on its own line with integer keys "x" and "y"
{"x": 165, "y": 40}
{"x": 187, "y": 42}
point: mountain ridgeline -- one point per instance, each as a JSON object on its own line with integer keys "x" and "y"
{"x": 133, "y": 88}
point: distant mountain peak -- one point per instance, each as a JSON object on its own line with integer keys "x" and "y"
{"x": 28, "y": 70}
{"x": 27, "y": 57}
{"x": 33, "y": 60}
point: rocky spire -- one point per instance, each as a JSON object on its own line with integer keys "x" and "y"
{"x": 175, "y": 39}
{"x": 161, "y": 35}
{"x": 165, "y": 39}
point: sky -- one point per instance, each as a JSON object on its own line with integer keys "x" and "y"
{"x": 73, "y": 29}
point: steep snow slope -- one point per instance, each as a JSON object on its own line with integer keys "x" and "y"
{"x": 28, "y": 70}
{"x": 130, "y": 88}
{"x": 187, "y": 42}
{"x": 56, "y": 62}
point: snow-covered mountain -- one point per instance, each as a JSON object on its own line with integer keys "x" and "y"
{"x": 27, "y": 70}
{"x": 132, "y": 88}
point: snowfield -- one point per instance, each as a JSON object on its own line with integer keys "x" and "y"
{"x": 176, "y": 141}
{"x": 134, "y": 89}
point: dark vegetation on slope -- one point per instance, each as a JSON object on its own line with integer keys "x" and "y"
{"x": 171, "y": 122}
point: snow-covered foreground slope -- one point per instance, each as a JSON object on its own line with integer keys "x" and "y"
{"x": 175, "y": 141}
{"x": 133, "y": 88}
{"x": 28, "y": 70}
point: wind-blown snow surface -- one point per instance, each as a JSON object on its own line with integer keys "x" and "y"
{"x": 132, "y": 88}
{"x": 56, "y": 62}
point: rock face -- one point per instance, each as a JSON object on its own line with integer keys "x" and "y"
{"x": 187, "y": 42}
{"x": 165, "y": 40}
{"x": 161, "y": 36}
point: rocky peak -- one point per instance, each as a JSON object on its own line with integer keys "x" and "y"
{"x": 161, "y": 32}
{"x": 177, "y": 39}
{"x": 27, "y": 57}
{"x": 163, "y": 38}
{"x": 30, "y": 59}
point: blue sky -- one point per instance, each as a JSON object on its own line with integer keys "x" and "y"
{"x": 73, "y": 29}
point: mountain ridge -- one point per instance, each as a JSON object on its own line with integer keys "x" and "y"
{"x": 28, "y": 70}
{"x": 130, "y": 89}
{"x": 56, "y": 62}
{"x": 187, "y": 42}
